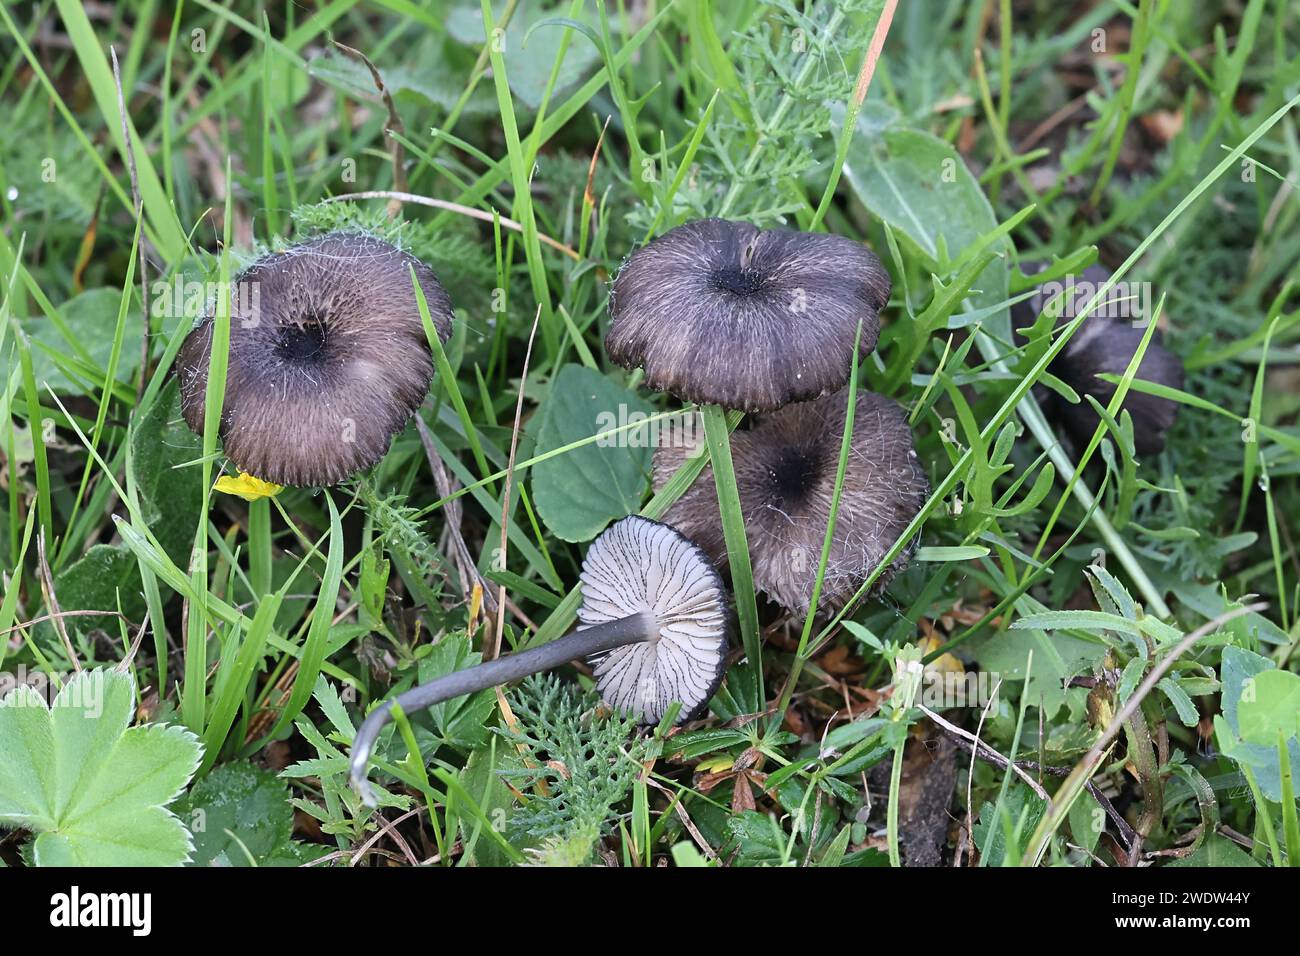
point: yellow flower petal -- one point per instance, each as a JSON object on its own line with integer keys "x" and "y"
{"x": 715, "y": 765}
{"x": 247, "y": 487}
{"x": 944, "y": 663}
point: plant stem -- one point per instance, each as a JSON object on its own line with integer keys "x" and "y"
{"x": 775, "y": 120}
{"x": 717, "y": 437}
{"x": 633, "y": 629}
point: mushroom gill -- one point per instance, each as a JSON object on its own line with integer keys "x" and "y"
{"x": 639, "y": 566}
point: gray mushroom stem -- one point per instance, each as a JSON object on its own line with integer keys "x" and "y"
{"x": 634, "y": 629}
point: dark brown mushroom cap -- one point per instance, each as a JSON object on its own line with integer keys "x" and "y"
{"x": 328, "y": 358}
{"x": 785, "y": 472}
{"x": 639, "y": 566}
{"x": 723, "y": 313}
{"x": 1104, "y": 344}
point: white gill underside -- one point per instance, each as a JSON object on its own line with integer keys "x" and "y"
{"x": 641, "y": 566}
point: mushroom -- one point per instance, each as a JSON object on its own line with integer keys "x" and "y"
{"x": 785, "y": 472}
{"x": 1104, "y": 344}
{"x": 723, "y": 313}
{"x": 328, "y": 358}
{"x": 653, "y": 626}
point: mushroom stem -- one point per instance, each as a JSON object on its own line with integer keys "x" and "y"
{"x": 633, "y": 629}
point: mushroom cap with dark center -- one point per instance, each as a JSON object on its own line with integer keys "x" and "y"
{"x": 723, "y": 313}
{"x": 1104, "y": 344}
{"x": 641, "y": 566}
{"x": 785, "y": 472}
{"x": 328, "y": 358}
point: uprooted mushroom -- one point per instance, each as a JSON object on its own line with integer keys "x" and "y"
{"x": 653, "y": 626}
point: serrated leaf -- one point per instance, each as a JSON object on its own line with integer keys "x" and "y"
{"x": 1090, "y": 621}
{"x": 581, "y": 491}
{"x": 758, "y": 839}
{"x": 94, "y": 788}
{"x": 240, "y": 811}
{"x": 1103, "y": 581}
{"x": 462, "y": 720}
{"x": 331, "y": 704}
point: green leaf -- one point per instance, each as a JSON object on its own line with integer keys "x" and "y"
{"x": 834, "y": 855}
{"x": 758, "y": 839}
{"x": 90, "y": 318}
{"x": 1103, "y": 582}
{"x": 1239, "y": 676}
{"x": 956, "y": 553}
{"x": 170, "y": 493}
{"x": 1209, "y": 601}
{"x": 240, "y": 815}
{"x": 432, "y": 81}
{"x": 1021, "y": 811}
{"x": 483, "y": 781}
{"x": 1188, "y": 715}
{"x": 93, "y": 790}
{"x": 88, "y": 45}
{"x": 375, "y": 569}
{"x": 1006, "y": 653}
{"x": 581, "y": 491}
{"x": 1090, "y": 621}
{"x": 1217, "y": 851}
{"x": 1087, "y": 820}
{"x": 685, "y": 854}
{"x": 1270, "y": 703}
{"x": 1130, "y": 678}
{"x": 462, "y": 720}
{"x": 920, "y": 186}
{"x": 534, "y": 52}
{"x": 96, "y": 582}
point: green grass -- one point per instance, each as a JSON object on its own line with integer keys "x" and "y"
{"x": 990, "y": 135}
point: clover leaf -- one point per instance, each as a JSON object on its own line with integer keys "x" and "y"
{"x": 93, "y": 788}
